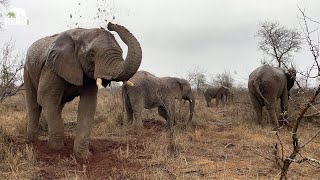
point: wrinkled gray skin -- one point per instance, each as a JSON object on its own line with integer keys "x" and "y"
{"x": 61, "y": 67}
{"x": 266, "y": 85}
{"x": 153, "y": 92}
{"x": 220, "y": 93}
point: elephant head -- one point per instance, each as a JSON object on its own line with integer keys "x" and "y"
{"x": 94, "y": 53}
{"x": 182, "y": 90}
{"x": 291, "y": 77}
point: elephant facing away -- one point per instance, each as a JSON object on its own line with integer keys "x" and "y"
{"x": 73, "y": 63}
{"x": 220, "y": 93}
{"x": 153, "y": 92}
{"x": 268, "y": 84}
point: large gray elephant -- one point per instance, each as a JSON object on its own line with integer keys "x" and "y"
{"x": 150, "y": 92}
{"x": 266, "y": 85}
{"x": 62, "y": 66}
{"x": 221, "y": 93}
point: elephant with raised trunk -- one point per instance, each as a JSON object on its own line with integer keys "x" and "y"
{"x": 73, "y": 63}
{"x": 268, "y": 84}
{"x": 221, "y": 93}
{"x": 153, "y": 92}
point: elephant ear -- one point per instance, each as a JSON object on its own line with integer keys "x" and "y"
{"x": 291, "y": 77}
{"x": 62, "y": 59}
{"x": 181, "y": 88}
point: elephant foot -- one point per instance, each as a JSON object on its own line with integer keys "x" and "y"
{"x": 138, "y": 125}
{"x": 32, "y": 137}
{"x": 56, "y": 144}
{"x": 83, "y": 157}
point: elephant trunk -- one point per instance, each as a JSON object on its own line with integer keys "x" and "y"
{"x": 133, "y": 60}
{"x": 192, "y": 102}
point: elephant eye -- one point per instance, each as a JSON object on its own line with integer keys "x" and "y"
{"x": 90, "y": 54}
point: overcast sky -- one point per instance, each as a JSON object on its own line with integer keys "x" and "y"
{"x": 175, "y": 35}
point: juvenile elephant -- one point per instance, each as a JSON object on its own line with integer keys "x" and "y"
{"x": 266, "y": 85}
{"x": 150, "y": 92}
{"x": 62, "y": 66}
{"x": 220, "y": 93}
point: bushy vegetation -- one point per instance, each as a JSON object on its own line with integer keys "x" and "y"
{"x": 221, "y": 142}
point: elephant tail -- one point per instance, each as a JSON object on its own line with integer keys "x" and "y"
{"x": 260, "y": 94}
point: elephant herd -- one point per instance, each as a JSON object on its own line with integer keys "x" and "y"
{"x": 77, "y": 62}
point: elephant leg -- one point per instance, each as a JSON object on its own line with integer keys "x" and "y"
{"x": 49, "y": 96}
{"x": 135, "y": 110}
{"x": 257, "y": 107}
{"x": 223, "y": 100}
{"x": 86, "y": 111}
{"x": 129, "y": 116}
{"x": 208, "y": 100}
{"x": 33, "y": 109}
{"x": 137, "y": 122}
{"x": 52, "y": 112}
{"x": 129, "y": 113}
{"x": 273, "y": 117}
{"x": 217, "y": 100}
{"x": 162, "y": 112}
{"x": 170, "y": 111}
{"x": 226, "y": 100}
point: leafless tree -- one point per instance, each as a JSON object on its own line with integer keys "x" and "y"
{"x": 197, "y": 78}
{"x": 223, "y": 79}
{"x": 4, "y": 2}
{"x": 278, "y": 42}
{"x": 11, "y": 65}
{"x": 282, "y": 160}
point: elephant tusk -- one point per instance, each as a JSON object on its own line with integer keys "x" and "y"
{"x": 99, "y": 83}
{"x": 128, "y": 83}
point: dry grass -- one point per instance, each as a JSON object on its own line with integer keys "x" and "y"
{"x": 221, "y": 143}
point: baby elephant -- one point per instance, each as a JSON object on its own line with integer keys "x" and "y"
{"x": 222, "y": 94}
{"x": 150, "y": 92}
{"x": 268, "y": 84}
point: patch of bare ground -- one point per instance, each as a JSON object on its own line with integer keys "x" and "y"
{"x": 220, "y": 143}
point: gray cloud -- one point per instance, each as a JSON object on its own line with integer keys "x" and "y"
{"x": 176, "y": 35}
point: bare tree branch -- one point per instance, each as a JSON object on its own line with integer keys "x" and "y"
{"x": 11, "y": 64}
{"x": 304, "y": 160}
{"x": 223, "y": 79}
{"x": 295, "y": 139}
{"x": 277, "y": 41}
{"x": 312, "y": 138}
{"x": 197, "y": 78}
{"x": 296, "y": 147}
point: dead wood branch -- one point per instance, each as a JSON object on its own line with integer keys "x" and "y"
{"x": 295, "y": 139}
{"x": 312, "y": 138}
{"x": 304, "y": 160}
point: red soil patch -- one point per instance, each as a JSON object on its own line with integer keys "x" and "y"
{"x": 106, "y": 162}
